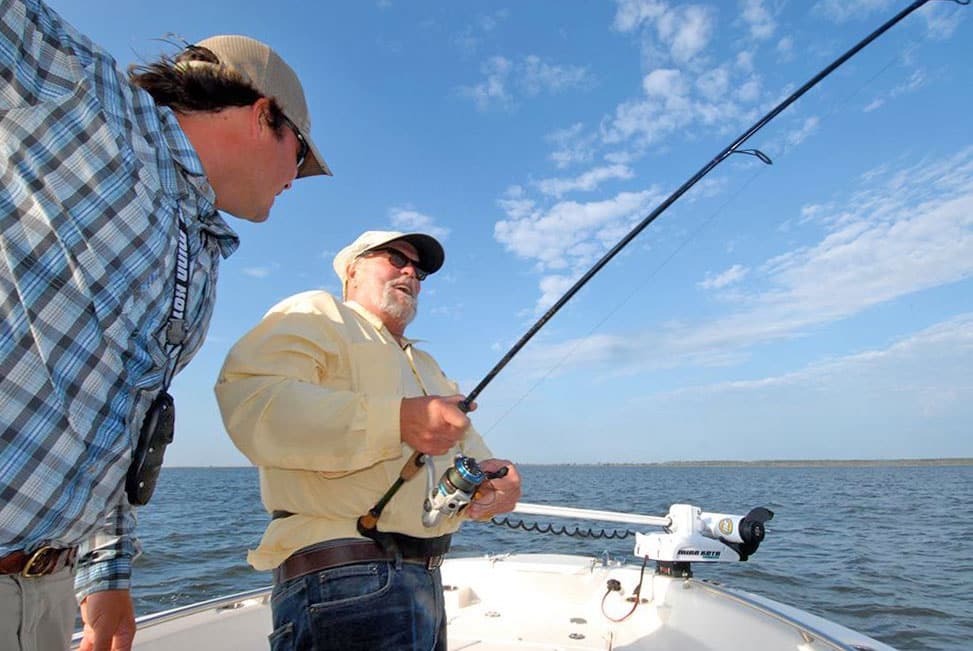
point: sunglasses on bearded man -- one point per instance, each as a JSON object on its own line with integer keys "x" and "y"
{"x": 400, "y": 261}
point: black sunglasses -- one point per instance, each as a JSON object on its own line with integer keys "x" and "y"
{"x": 302, "y": 152}
{"x": 400, "y": 261}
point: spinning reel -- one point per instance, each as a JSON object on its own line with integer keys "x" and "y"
{"x": 457, "y": 487}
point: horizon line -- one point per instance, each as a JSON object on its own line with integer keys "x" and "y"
{"x": 902, "y": 461}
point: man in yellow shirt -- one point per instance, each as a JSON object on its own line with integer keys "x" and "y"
{"x": 330, "y": 399}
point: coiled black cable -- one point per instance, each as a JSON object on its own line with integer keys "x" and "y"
{"x": 577, "y": 532}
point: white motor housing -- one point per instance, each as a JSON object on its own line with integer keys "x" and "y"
{"x": 695, "y": 536}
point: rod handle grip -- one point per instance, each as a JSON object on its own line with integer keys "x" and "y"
{"x": 412, "y": 466}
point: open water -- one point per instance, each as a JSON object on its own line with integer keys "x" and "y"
{"x": 884, "y": 550}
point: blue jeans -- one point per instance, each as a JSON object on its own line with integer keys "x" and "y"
{"x": 375, "y": 605}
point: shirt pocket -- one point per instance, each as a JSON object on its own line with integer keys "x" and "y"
{"x": 377, "y": 369}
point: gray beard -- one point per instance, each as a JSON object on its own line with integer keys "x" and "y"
{"x": 397, "y": 305}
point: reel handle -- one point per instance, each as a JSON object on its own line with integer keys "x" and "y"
{"x": 497, "y": 474}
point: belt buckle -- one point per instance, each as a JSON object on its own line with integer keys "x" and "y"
{"x": 39, "y": 558}
{"x": 433, "y": 562}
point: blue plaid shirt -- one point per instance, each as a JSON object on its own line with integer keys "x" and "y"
{"x": 94, "y": 179}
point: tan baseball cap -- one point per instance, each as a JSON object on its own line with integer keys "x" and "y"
{"x": 269, "y": 75}
{"x": 431, "y": 254}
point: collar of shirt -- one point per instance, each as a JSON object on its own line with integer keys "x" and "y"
{"x": 378, "y": 325}
{"x": 186, "y": 158}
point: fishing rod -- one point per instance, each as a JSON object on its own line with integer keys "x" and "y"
{"x": 732, "y": 148}
{"x": 417, "y": 460}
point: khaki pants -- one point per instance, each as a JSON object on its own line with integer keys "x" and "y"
{"x": 37, "y": 614}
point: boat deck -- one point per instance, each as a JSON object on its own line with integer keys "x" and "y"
{"x": 539, "y": 601}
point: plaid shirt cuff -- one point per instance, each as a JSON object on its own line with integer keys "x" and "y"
{"x": 105, "y": 563}
{"x": 109, "y": 574}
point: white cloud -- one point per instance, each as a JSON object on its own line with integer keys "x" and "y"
{"x": 565, "y": 239}
{"x": 916, "y": 79}
{"x": 749, "y": 91}
{"x": 669, "y": 106}
{"x": 258, "y": 272}
{"x": 686, "y": 30}
{"x": 539, "y": 76}
{"x": 666, "y": 84}
{"x": 682, "y": 32}
{"x": 924, "y": 372}
{"x": 570, "y": 235}
{"x": 685, "y": 98}
{"x": 472, "y": 36}
{"x": 492, "y": 91}
{"x": 552, "y": 288}
{"x": 706, "y": 188}
{"x": 799, "y": 135}
{"x": 941, "y": 19}
{"x": 758, "y": 18}
{"x": 798, "y": 131}
{"x": 490, "y": 22}
{"x": 631, "y": 14}
{"x": 841, "y": 11}
{"x": 683, "y": 92}
{"x": 732, "y": 275}
{"x": 531, "y": 76}
{"x": 744, "y": 60}
{"x": 516, "y": 203}
{"x": 407, "y": 219}
{"x": 908, "y": 230}
{"x": 571, "y": 146}
{"x": 874, "y": 105}
{"x": 785, "y": 48}
{"x": 714, "y": 83}
{"x": 587, "y": 181}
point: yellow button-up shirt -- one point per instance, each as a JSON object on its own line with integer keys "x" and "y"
{"x": 311, "y": 395}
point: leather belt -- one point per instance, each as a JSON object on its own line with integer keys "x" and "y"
{"x": 344, "y": 552}
{"x": 43, "y": 561}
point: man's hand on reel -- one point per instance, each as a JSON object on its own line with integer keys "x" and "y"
{"x": 498, "y": 494}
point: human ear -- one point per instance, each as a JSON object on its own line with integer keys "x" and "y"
{"x": 260, "y": 115}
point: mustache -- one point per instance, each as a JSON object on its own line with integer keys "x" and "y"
{"x": 405, "y": 284}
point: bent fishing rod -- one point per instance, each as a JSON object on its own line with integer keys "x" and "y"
{"x": 417, "y": 459}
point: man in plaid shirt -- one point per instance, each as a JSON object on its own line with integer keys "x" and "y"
{"x": 105, "y": 180}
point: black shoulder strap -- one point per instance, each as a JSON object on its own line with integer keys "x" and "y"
{"x": 176, "y": 329}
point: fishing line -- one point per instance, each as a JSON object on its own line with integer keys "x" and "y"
{"x": 786, "y": 148}
{"x": 732, "y": 148}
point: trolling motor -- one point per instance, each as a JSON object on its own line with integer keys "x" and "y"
{"x": 693, "y": 536}
{"x": 689, "y": 535}
{"x": 456, "y": 488}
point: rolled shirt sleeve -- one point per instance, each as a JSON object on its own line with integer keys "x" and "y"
{"x": 105, "y": 558}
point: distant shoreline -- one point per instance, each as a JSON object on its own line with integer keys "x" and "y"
{"x": 726, "y": 463}
{"x": 788, "y": 463}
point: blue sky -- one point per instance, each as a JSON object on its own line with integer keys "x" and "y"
{"x": 821, "y": 307}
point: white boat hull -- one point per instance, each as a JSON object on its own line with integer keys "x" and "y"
{"x": 544, "y": 601}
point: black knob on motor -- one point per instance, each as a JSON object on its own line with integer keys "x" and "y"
{"x": 752, "y": 531}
